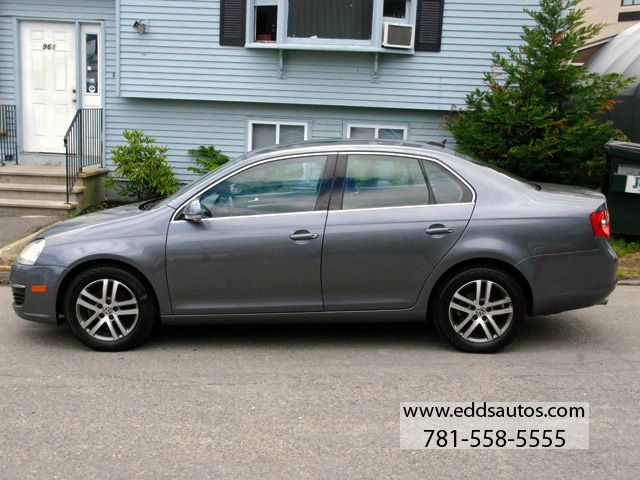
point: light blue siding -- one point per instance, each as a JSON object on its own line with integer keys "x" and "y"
{"x": 180, "y": 58}
{"x": 7, "y": 65}
{"x": 186, "y": 124}
{"x": 179, "y": 86}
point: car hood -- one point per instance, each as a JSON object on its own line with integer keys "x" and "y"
{"x": 91, "y": 219}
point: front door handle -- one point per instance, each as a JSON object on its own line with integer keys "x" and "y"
{"x": 302, "y": 235}
{"x": 438, "y": 230}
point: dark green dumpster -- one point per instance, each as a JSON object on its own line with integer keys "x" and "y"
{"x": 623, "y": 187}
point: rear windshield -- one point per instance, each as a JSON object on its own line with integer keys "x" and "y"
{"x": 502, "y": 171}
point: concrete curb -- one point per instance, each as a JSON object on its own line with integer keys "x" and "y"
{"x": 629, "y": 282}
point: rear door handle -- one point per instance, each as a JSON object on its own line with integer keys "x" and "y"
{"x": 303, "y": 235}
{"x": 438, "y": 230}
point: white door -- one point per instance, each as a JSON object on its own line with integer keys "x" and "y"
{"x": 48, "y": 84}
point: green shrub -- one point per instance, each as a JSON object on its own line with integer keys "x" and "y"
{"x": 143, "y": 165}
{"x": 207, "y": 158}
{"x": 539, "y": 115}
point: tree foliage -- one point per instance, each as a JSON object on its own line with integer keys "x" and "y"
{"x": 539, "y": 115}
{"x": 207, "y": 158}
{"x": 143, "y": 165}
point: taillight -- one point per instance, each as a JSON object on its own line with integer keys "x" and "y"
{"x": 600, "y": 223}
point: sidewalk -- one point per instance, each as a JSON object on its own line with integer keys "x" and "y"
{"x": 13, "y": 227}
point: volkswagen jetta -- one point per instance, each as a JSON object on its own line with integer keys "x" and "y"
{"x": 332, "y": 231}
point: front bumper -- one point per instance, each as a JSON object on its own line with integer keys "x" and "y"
{"x": 35, "y": 306}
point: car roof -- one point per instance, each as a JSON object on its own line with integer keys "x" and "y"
{"x": 321, "y": 146}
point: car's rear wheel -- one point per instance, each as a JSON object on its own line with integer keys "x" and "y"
{"x": 479, "y": 310}
{"x": 109, "y": 308}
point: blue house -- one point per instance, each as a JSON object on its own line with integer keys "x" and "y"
{"x": 237, "y": 74}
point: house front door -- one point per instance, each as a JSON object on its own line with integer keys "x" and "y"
{"x": 48, "y": 84}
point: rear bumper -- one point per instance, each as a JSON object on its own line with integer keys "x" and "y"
{"x": 570, "y": 281}
{"x": 40, "y": 306}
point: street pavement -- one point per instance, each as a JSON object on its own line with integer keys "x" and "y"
{"x": 307, "y": 401}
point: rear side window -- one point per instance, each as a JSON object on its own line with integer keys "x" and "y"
{"x": 374, "y": 181}
{"x": 445, "y": 186}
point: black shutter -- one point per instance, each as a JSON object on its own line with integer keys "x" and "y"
{"x": 429, "y": 25}
{"x": 233, "y": 15}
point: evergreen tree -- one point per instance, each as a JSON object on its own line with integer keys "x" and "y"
{"x": 539, "y": 115}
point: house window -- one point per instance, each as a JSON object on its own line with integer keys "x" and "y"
{"x": 377, "y": 132}
{"x": 263, "y": 134}
{"x": 330, "y": 19}
{"x": 628, "y": 3}
{"x": 334, "y": 25}
{"x": 91, "y": 62}
{"x": 395, "y": 9}
{"x": 266, "y": 22}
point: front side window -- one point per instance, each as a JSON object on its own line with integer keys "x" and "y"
{"x": 330, "y": 19}
{"x": 445, "y": 186}
{"x": 375, "y": 132}
{"x": 276, "y": 133}
{"x": 375, "y": 181}
{"x": 281, "y": 186}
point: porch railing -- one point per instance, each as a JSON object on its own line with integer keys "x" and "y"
{"x": 83, "y": 144}
{"x": 8, "y": 134}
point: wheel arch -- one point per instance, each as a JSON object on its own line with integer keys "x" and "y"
{"x": 100, "y": 262}
{"x": 483, "y": 262}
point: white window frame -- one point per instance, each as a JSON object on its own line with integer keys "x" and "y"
{"x": 283, "y": 41}
{"x": 377, "y": 128}
{"x": 278, "y": 124}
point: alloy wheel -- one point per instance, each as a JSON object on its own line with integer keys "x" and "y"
{"x": 480, "y": 311}
{"x": 107, "y": 309}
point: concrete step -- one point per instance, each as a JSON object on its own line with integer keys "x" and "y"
{"x": 32, "y": 191}
{"x": 42, "y": 174}
{"x": 27, "y": 207}
{"x": 33, "y": 174}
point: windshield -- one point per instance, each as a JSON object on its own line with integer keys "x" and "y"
{"x": 196, "y": 183}
{"x": 502, "y": 171}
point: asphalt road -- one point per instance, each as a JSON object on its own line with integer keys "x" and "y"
{"x": 314, "y": 401}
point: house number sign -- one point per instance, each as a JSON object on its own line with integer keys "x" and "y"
{"x": 48, "y": 46}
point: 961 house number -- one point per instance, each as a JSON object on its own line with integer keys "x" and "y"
{"x": 48, "y": 46}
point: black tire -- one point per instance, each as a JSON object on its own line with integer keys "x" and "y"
{"x": 136, "y": 327}
{"x": 478, "y": 341}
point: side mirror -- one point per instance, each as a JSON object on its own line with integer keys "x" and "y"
{"x": 193, "y": 212}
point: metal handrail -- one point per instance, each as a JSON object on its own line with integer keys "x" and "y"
{"x": 8, "y": 134}
{"x": 83, "y": 144}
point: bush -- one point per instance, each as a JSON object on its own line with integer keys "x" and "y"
{"x": 539, "y": 115}
{"x": 207, "y": 158}
{"x": 143, "y": 165}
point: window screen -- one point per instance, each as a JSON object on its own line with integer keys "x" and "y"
{"x": 348, "y": 19}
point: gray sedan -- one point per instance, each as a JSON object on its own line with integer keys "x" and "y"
{"x": 336, "y": 232}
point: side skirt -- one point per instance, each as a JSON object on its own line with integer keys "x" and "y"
{"x": 363, "y": 316}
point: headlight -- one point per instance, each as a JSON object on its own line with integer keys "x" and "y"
{"x": 31, "y": 252}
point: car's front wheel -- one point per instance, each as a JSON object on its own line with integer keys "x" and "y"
{"x": 479, "y": 310}
{"x": 109, "y": 308}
